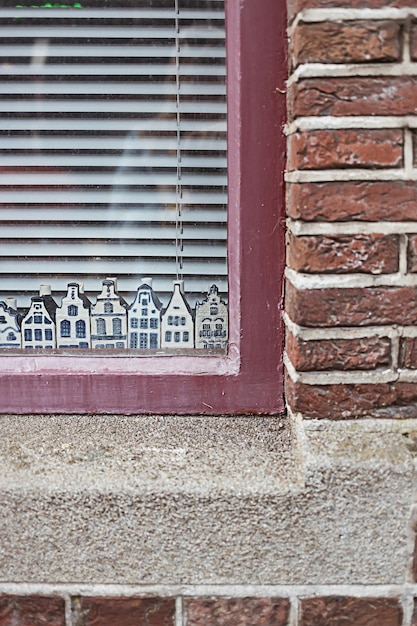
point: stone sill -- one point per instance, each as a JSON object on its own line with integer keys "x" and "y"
{"x": 203, "y": 500}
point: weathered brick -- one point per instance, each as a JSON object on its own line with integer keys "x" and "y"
{"x": 32, "y": 611}
{"x": 349, "y": 42}
{"x": 375, "y": 254}
{"x": 299, "y": 5}
{"x": 361, "y": 306}
{"x": 364, "y": 201}
{"x": 237, "y": 612}
{"x": 412, "y": 253}
{"x": 337, "y": 611}
{"x": 338, "y": 354}
{"x": 123, "y": 611}
{"x": 387, "y": 95}
{"x": 408, "y": 352}
{"x": 323, "y": 149}
{"x": 413, "y": 42}
{"x": 349, "y": 401}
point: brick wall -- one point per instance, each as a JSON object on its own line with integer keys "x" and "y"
{"x": 39, "y": 610}
{"x": 351, "y": 299}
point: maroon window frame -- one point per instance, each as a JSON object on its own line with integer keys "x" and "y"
{"x": 249, "y": 378}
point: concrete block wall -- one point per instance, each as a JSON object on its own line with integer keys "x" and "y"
{"x": 351, "y": 307}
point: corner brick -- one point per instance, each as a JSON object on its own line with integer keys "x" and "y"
{"x": 348, "y": 401}
{"x": 237, "y": 612}
{"x": 413, "y": 42}
{"x": 349, "y": 42}
{"x": 354, "y": 96}
{"x": 338, "y": 354}
{"x": 364, "y": 201}
{"x": 32, "y": 611}
{"x": 337, "y": 611}
{"x": 323, "y": 149}
{"x": 375, "y": 254}
{"x": 361, "y": 306}
{"x": 408, "y": 352}
{"x": 123, "y": 611}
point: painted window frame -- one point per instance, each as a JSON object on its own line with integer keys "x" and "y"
{"x": 249, "y": 379}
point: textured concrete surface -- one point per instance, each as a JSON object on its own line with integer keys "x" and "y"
{"x": 188, "y": 500}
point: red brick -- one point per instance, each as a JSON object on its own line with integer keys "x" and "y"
{"x": 338, "y": 354}
{"x": 413, "y": 42}
{"x": 348, "y": 401}
{"x": 412, "y": 253}
{"x": 361, "y": 306}
{"x": 386, "y": 95}
{"x": 237, "y": 612}
{"x": 375, "y": 254}
{"x": 364, "y": 201}
{"x": 123, "y": 612}
{"x": 349, "y": 42}
{"x": 323, "y": 149}
{"x": 408, "y": 352}
{"x": 338, "y": 611}
{"x": 32, "y": 611}
{"x": 298, "y": 5}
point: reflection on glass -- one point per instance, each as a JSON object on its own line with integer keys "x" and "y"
{"x": 112, "y": 157}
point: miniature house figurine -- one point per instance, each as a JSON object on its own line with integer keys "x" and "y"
{"x": 144, "y": 318}
{"x": 73, "y": 319}
{"x": 10, "y": 335}
{"x": 38, "y": 326}
{"x": 211, "y": 321}
{"x": 177, "y": 326}
{"x": 108, "y": 318}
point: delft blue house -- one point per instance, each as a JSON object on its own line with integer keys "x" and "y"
{"x": 144, "y": 318}
{"x": 38, "y": 325}
{"x": 73, "y": 319}
{"x": 211, "y": 321}
{"x": 109, "y": 318}
{"x": 10, "y": 334}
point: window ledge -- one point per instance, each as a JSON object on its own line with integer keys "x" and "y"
{"x": 213, "y": 500}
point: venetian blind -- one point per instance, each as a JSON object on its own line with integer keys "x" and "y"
{"x": 113, "y": 144}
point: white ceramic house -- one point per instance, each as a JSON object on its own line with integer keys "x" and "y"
{"x": 38, "y": 325}
{"x": 211, "y": 321}
{"x": 10, "y": 334}
{"x": 73, "y": 319}
{"x": 177, "y": 326}
{"x": 108, "y": 318}
{"x": 144, "y": 318}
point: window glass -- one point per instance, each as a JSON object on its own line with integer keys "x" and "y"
{"x": 112, "y": 151}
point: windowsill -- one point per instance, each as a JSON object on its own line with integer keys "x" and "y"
{"x": 214, "y": 500}
{"x": 181, "y": 362}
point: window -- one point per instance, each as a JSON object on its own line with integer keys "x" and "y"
{"x": 72, "y": 310}
{"x": 249, "y": 377}
{"x": 101, "y": 326}
{"x": 28, "y": 334}
{"x": 108, "y": 307}
{"x": 80, "y": 329}
{"x": 117, "y": 327}
{"x": 168, "y": 335}
{"x": 133, "y": 340}
{"x": 143, "y": 340}
{"x": 48, "y": 334}
{"x": 134, "y": 322}
{"x": 153, "y": 322}
{"x": 37, "y": 319}
{"x": 38, "y": 334}
{"x": 65, "y": 328}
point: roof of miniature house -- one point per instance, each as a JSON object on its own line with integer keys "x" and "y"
{"x": 179, "y": 284}
{"x": 147, "y": 284}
